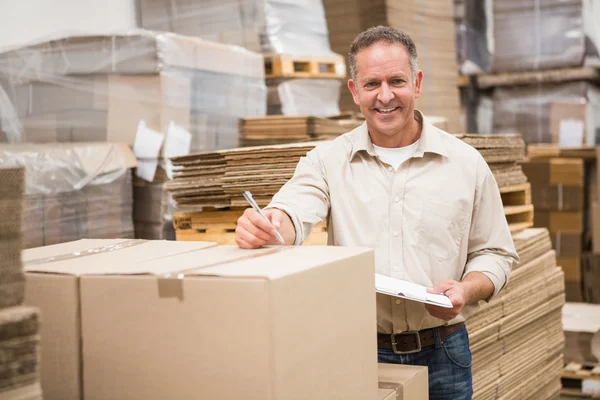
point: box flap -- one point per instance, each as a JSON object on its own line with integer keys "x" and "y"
{"x": 39, "y": 253}
{"x": 277, "y": 262}
{"x": 118, "y": 258}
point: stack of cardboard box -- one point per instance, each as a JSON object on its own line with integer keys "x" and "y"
{"x": 19, "y": 325}
{"x": 431, "y": 25}
{"x": 164, "y": 94}
{"x": 567, "y": 188}
{"x": 146, "y": 313}
{"x": 74, "y": 190}
{"x": 516, "y": 339}
{"x": 557, "y": 191}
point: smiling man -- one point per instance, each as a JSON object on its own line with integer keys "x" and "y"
{"x": 425, "y": 201}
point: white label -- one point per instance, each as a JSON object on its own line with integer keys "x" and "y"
{"x": 146, "y": 169}
{"x": 570, "y": 133}
{"x": 147, "y": 142}
{"x": 178, "y": 142}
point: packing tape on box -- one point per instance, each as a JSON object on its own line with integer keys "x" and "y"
{"x": 558, "y": 243}
{"x": 170, "y": 285}
{"x": 97, "y": 250}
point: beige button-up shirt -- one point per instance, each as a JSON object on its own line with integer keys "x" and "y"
{"x": 438, "y": 217}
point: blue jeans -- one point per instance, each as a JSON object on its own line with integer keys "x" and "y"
{"x": 449, "y": 365}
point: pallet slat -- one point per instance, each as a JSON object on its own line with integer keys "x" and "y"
{"x": 290, "y": 66}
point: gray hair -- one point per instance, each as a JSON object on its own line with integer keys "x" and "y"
{"x": 385, "y": 34}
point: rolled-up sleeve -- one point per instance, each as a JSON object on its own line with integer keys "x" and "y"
{"x": 491, "y": 247}
{"x": 305, "y": 197}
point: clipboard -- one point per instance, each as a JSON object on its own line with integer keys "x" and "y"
{"x": 409, "y": 291}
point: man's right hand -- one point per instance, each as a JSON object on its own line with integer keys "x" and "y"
{"x": 253, "y": 231}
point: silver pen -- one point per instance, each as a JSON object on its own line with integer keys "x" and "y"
{"x": 250, "y": 199}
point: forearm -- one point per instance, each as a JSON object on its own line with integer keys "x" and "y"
{"x": 477, "y": 286}
{"x": 287, "y": 229}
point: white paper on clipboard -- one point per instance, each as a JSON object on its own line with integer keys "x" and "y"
{"x": 410, "y": 291}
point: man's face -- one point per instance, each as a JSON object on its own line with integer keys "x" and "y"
{"x": 385, "y": 89}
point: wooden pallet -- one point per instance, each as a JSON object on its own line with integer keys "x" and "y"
{"x": 484, "y": 81}
{"x": 517, "y": 206}
{"x": 288, "y": 66}
{"x": 573, "y": 377}
{"x": 219, "y": 226}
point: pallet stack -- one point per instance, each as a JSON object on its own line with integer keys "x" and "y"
{"x": 19, "y": 325}
{"x": 216, "y": 180}
{"x": 516, "y": 339}
{"x": 431, "y": 25}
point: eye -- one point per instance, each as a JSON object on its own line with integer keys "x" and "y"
{"x": 371, "y": 84}
{"x": 397, "y": 81}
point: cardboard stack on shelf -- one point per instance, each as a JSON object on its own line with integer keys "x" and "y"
{"x": 303, "y": 75}
{"x": 509, "y": 359}
{"x": 163, "y": 94}
{"x": 557, "y": 188}
{"x": 19, "y": 324}
{"x": 71, "y": 281}
{"x": 207, "y": 187}
{"x": 565, "y": 187}
{"x": 431, "y": 25}
{"x": 74, "y": 190}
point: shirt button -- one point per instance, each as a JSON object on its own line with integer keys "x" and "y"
{"x": 396, "y": 268}
{"x": 396, "y": 199}
{"x": 396, "y": 233}
{"x": 398, "y": 301}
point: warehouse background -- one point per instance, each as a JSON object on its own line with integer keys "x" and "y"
{"x": 147, "y": 119}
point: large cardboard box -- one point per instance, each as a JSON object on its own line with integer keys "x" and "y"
{"x": 183, "y": 320}
{"x": 581, "y": 324}
{"x": 403, "y": 382}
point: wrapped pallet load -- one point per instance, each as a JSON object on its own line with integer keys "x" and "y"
{"x": 560, "y": 33}
{"x": 74, "y": 191}
{"x": 293, "y": 36}
{"x": 162, "y": 93}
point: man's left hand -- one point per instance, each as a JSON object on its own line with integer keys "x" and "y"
{"x": 455, "y": 292}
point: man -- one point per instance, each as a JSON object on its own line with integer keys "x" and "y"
{"x": 425, "y": 201}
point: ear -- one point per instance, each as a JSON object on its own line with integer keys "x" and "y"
{"x": 418, "y": 83}
{"x": 353, "y": 90}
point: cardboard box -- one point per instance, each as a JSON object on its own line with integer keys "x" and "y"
{"x": 571, "y": 267}
{"x": 559, "y": 221}
{"x": 581, "y": 324}
{"x": 567, "y": 244}
{"x": 596, "y": 227}
{"x": 407, "y": 382}
{"x": 591, "y": 277}
{"x": 189, "y": 319}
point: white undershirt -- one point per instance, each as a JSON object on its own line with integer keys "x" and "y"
{"x": 396, "y": 155}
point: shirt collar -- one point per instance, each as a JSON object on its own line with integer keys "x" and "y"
{"x": 431, "y": 139}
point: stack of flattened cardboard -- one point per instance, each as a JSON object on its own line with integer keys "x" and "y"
{"x": 517, "y": 338}
{"x": 74, "y": 191}
{"x": 280, "y": 129}
{"x": 218, "y": 179}
{"x": 19, "y": 336}
{"x": 557, "y": 188}
{"x": 172, "y": 329}
{"x": 431, "y": 25}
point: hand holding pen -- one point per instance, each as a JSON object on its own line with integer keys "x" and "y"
{"x": 257, "y": 227}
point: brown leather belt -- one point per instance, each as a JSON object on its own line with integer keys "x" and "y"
{"x": 413, "y": 341}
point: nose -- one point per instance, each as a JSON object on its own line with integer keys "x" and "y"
{"x": 385, "y": 94}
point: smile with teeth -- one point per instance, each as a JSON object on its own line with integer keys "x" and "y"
{"x": 386, "y": 110}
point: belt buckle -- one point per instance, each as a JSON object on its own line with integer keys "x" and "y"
{"x": 407, "y": 333}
